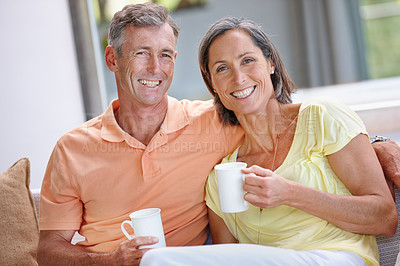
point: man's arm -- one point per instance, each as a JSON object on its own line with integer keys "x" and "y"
{"x": 388, "y": 153}
{"x": 55, "y": 248}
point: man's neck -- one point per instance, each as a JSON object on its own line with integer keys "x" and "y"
{"x": 141, "y": 122}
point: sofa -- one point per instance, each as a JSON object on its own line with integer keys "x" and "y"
{"x": 19, "y": 230}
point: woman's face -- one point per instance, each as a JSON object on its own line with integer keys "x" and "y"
{"x": 240, "y": 73}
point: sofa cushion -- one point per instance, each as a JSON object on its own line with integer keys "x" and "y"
{"x": 19, "y": 229}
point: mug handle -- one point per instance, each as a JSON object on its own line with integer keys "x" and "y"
{"x": 123, "y": 229}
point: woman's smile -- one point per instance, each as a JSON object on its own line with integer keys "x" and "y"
{"x": 241, "y": 94}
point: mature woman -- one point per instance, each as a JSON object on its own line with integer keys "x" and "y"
{"x": 316, "y": 190}
{"x": 316, "y": 183}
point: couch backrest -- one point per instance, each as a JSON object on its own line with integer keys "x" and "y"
{"x": 388, "y": 246}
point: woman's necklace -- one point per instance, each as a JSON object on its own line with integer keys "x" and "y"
{"x": 276, "y": 149}
{"x": 272, "y": 169}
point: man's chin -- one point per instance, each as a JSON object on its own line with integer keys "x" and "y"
{"x": 154, "y": 100}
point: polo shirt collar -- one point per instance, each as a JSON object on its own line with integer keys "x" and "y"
{"x": 110, "y": 129}
{"x": 176, "y": 117}
{"x": 175, "y": 120}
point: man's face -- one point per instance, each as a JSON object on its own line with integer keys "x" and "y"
{"x": 145, "y": 69}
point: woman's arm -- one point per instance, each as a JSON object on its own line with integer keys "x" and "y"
{"x": 219, "y": 232}
{"x": 370, "y": 209}
{"x": 359, "y": 169}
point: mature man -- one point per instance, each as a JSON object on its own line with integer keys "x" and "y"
{"x": 146, "y": 150}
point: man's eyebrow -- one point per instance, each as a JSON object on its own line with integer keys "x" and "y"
{"x": 142, "y": 48}
{"x": 168, "y": 50}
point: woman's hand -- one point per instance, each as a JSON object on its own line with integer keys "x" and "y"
{"x": 368, "y": 210}
{"x": 264, "y": 188}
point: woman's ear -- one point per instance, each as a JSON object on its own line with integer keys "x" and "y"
{"x": 111, "y": 56}
{"x": 272, "y": 68}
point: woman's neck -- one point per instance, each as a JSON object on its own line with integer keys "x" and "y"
{"x": 263, "y": 130}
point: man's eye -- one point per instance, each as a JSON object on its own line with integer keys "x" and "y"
{"x": 166, "y": 55}
{"x": 248, "y": 60}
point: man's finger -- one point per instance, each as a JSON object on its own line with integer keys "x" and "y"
{"x": 143, "y": 240}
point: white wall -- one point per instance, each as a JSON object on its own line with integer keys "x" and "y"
{"x": 39, "y": 81}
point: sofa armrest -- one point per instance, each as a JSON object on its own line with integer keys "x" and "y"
{"x": 389, "y": 246}
{"x": 36, "y": 199}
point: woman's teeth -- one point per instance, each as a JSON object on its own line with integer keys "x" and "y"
{"x": 149, "y": 82}
{"x": 243, "y": 93}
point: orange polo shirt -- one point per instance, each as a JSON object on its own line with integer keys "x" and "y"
{"x": 98, "y": 174}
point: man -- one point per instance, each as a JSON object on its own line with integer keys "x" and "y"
{"x": 146, "y": 150}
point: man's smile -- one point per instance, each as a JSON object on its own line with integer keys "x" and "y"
{"x": 149, "y": 83}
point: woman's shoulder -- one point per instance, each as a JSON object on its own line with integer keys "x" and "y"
{"x": 329, "y": 110}
{"x": 326, "y": 104}
{"x": 323, "y": 101}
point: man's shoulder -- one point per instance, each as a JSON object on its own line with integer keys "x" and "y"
{"x": 198, "y": 107}
{"x": 82, "y": 132}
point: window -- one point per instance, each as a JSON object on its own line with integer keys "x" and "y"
{"x": 322, "y": 43}
{"x": 381, "y": 23}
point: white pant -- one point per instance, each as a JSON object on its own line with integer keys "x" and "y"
{"x": 246, "y": 254}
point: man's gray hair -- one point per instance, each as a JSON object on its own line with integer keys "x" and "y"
{"x": 139, "y": 15}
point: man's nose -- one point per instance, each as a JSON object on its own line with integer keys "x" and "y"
{"x": 153, "y": 65}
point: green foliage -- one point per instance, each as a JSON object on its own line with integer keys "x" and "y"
{"x": 382, "y": 38}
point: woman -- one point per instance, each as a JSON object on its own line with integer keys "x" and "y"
{"x": 316, "y": 190}
{"x": 315, "y": 182}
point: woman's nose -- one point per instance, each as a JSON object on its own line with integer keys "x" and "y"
{"x": 238, "y": 76}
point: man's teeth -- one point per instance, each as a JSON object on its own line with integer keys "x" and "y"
{"x": 243, "y": 93}
{"x": 149, "y": 82}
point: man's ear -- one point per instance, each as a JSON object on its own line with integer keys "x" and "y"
{"x": 111, "y": 56}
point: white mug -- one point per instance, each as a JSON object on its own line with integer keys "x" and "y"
{"x": 146, "y": 222}
{"x": 230, "y": 187}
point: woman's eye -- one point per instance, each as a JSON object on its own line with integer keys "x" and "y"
{"x": 248, "y": 60}
{"x": 221, "y": 68}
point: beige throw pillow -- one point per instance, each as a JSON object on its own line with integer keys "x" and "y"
{"x": 19, "y": 229}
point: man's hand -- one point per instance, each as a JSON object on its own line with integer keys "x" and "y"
{"x": 128, "y": 252}
{"x": 388, "y": 153}
{"x": 55, "y": 248}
